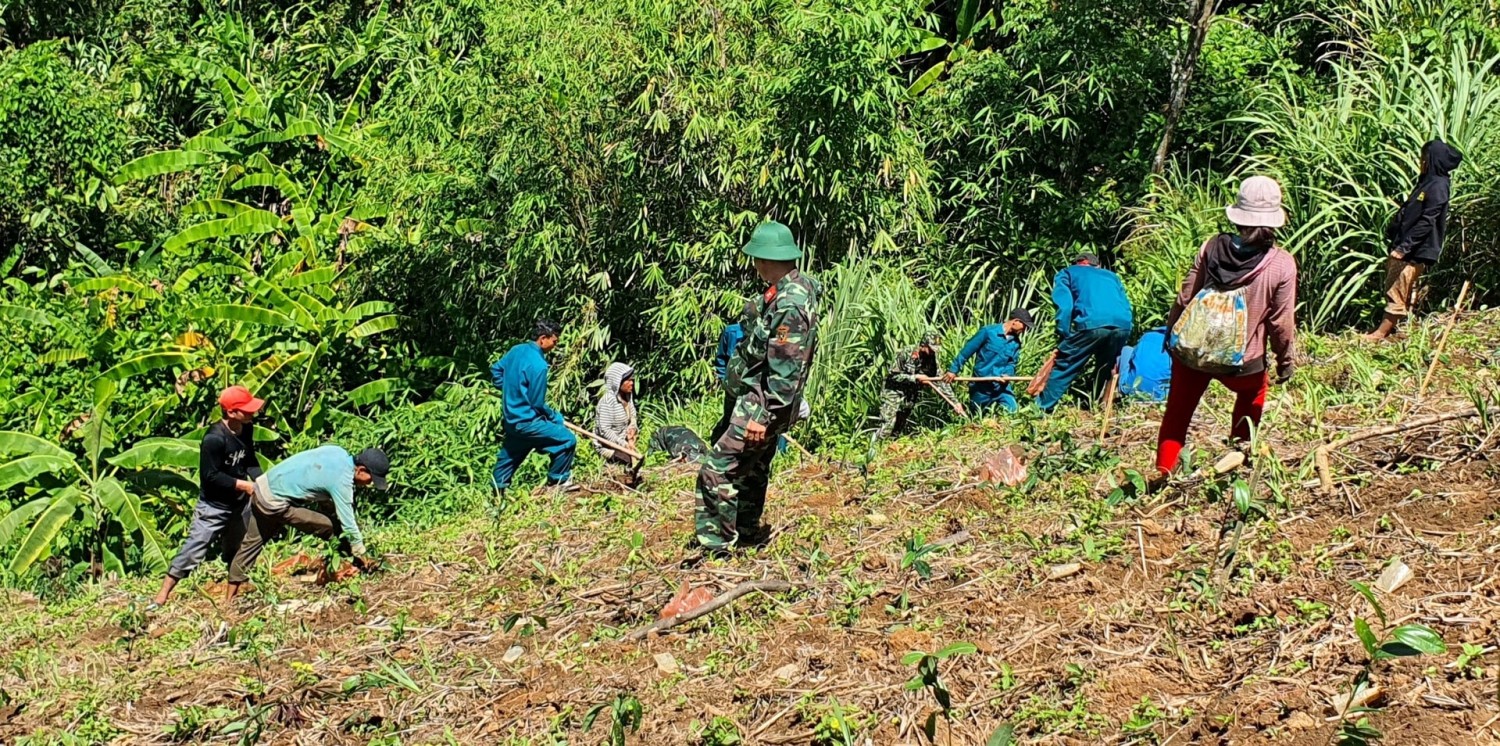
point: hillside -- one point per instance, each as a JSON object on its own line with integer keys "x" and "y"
{"x": 504, "y": 629}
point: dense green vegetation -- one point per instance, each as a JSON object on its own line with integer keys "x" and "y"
{"x": 355, "y": 206}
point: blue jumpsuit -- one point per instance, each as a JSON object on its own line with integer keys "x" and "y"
{"x": 530, "y": 425}
{"x": 1146, "y": 368}
{"x": 1094, "y": 319}
{"x": 995, "y": 354}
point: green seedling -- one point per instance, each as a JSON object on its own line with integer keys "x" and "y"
{"x": 915, "y": 559}
{"x": 1470, "y": 663}
{"x": 838, "y": 725}
{"x": 625, "y": 713}
{"x": 720, "y": 731}
{"x": 927, "y": 676}
{"x": 1404, "y": 641}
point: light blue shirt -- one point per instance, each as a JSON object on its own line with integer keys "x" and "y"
{"x": 320, "y": 475}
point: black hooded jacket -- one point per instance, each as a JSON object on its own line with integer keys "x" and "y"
{"x": 1417, "y": 230}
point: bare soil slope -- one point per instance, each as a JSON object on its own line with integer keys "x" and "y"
{"x": 506, "y": 631}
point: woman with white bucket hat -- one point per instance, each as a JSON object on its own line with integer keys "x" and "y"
{"x": 1239, "y": 299}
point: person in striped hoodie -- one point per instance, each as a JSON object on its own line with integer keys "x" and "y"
{"x": 614, "y": 418}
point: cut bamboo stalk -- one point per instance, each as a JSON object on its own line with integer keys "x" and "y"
{"x": 1320, "y": 454}
{"x": 798, "y": 446}
{"x": 1437, "y": 355}
{"x": 1109, "y": 404}
{"x": 991, "y": 379}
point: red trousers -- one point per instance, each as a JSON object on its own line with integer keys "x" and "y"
{"x": 1187, "y": 390}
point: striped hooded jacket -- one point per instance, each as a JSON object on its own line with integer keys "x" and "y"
{"x": 614, "y": 418}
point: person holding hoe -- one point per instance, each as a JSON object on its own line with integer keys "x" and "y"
{"x": 995, "y": 350}
{"x": 227, "y": 466}
{"x": 766, "y": 377}
{"x": 312, "y": 492}
{"x": 1238, "y": 302}
{"x": 1094, "y": 319}
{"x": 531, "y": 425}
{"x": 914, "y": 368}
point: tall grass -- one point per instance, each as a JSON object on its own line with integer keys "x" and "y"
{"x": 1346, "y": 160}
{"x": 872, "y": 311}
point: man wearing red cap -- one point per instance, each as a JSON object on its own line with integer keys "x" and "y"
{"x": 227, "y": 469}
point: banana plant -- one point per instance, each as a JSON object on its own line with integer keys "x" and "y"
{"x": 968, "y": 25}
{"x": 290, "y": 324}
{"x": 101, "y": 492}
{"x": 252, "y": 198}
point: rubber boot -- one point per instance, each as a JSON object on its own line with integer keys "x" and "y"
{"x": 1386, "y": 328}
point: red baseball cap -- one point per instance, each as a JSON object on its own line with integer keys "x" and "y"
{"x": 238, "y": 399}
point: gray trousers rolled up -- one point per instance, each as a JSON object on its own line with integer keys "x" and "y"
{"x": 212, "y": 521}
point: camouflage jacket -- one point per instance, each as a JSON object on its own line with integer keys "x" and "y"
{"x": 769, "y": 369}
{"x": 909, "y": 365}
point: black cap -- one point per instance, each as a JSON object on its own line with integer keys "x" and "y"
{"x": 1087, "y": 256}
{"x": 1024, "y": 316}
{"x": 375, "y": 462}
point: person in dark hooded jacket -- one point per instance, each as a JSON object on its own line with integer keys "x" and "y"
{"x": 1416, "y": 234}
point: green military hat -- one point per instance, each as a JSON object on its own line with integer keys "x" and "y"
{"x": 932, "y": 338}
{"x": 773, "y": 241}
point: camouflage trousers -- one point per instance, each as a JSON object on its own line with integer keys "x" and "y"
{"x": 895, "y": 407}
{"x": 732, "y": 487}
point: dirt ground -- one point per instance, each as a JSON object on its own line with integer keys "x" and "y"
{"x": 508, "y": 633}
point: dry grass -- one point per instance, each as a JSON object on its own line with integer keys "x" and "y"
{"x": 1150, "y": 642}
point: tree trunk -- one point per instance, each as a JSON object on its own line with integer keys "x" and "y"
{"x": 1183, "y": 75}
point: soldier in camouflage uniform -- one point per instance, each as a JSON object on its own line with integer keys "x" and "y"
{"x": 766, "y": 377}
{"x": 679, "y": 443}
{"x": 903, "y": 385}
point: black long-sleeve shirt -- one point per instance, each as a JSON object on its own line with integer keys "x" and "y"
{"x": 1417, "y": 230}
{"x": 225, "y": 458}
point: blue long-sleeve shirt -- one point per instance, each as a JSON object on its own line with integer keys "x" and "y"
{"x": 322, "y": 474}
{"x": 521, "y": 375}
{"x": 729, "y": 340}
{"x": 994, "y": 352}
{"x": 1088, "y": 297}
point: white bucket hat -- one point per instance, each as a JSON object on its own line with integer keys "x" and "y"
{"x": 1259, "y": 204}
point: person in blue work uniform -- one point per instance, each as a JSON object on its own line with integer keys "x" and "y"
{"x": 531, "y": 425}
{"x": 1146, "y": 367}
{"x": 1094, "y": 319}
{"x": 995, "y": 348}
{"x": 729, "y": 341}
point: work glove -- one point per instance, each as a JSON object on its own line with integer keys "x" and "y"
{"x": 366, "y": 563}
{"x": 1284, "y": 372}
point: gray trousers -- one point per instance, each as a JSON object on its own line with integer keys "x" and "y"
{"x": 211, "y": 521}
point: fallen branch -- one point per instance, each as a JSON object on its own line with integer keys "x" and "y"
{"x": 1320, "y": 454}
{"x": 1437, "y": 354}
{"x": 953, "y": 539}
{"x": 718, "y": 602}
